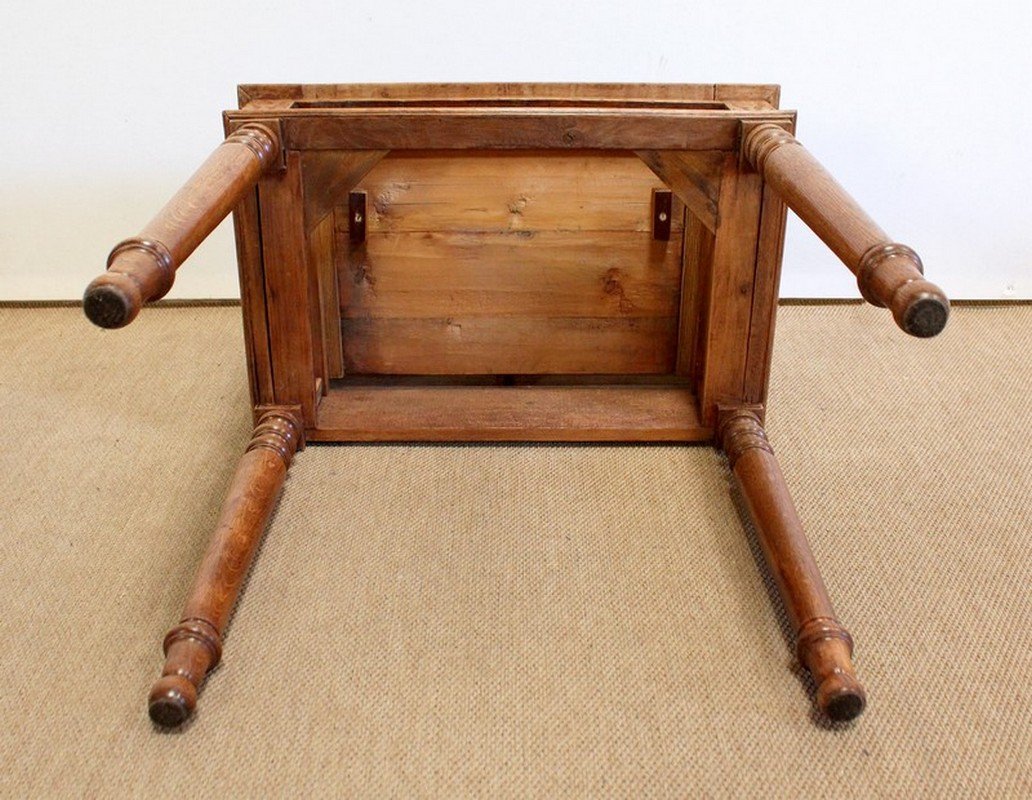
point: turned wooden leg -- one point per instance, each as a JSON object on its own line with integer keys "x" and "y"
{"x": 824, "y": 646}
{"x": 194, "y": 646}
{"x": 143, "y": 268}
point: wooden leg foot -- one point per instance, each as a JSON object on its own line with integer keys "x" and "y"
{"x": 172, "y": 699}
{"x": 824, "y": 647}
{"x": 194, "y": 646}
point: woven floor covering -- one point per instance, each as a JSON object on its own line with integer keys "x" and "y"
{"x": 518, "y": 620}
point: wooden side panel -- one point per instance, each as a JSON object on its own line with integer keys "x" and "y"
{"x": 729, "y": 310}
{"x": 322, "y": 258}
{"x": 510, "y": 413}
{"x": 765, "y": 296}
{"x": 501, "y": 129}
{"x": 511, "y": 264}
{"x": 697, "y": 258}
{"x": 292, "y": 309}
{"x": 247, "y": 231}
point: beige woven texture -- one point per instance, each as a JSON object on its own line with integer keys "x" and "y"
{"x": 514, "y": 621}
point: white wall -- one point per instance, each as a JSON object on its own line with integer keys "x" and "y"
{"x": 920, "y": 108}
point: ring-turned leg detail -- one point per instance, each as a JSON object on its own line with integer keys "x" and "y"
{"x": 194, "y": 646}
{"x": 824, "y": 647}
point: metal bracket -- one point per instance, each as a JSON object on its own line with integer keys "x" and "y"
{"x": 662, "y": 209}
{"x": 357, "y": 217}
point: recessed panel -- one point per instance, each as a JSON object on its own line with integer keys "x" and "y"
{"x": 510, "y": 263}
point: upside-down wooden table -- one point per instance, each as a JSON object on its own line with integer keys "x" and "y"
{"x": 509, "y": 262}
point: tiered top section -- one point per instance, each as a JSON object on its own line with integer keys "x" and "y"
{"x": 716, "y": 96}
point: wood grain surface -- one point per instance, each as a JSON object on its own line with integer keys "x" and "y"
{"x": 512, "y": 263}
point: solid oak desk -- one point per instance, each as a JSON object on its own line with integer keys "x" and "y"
{"x": 510, "y": 262}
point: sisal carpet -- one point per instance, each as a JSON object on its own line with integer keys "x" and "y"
{"x": 517, "y": 621}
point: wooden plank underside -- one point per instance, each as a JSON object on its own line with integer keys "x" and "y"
{"x": 524, "y": 345}
{"x": 583, "y": 274}
{"x": 510, "y": 192}
{"x": 510, "y": 264}
{"x": 509, "y": 413}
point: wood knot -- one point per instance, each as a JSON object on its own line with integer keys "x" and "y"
{"x": 518, "y": 204}
{"x": 613, "y": 286}
{"x": 363, "y": 275}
